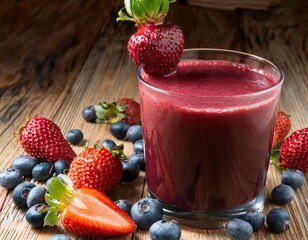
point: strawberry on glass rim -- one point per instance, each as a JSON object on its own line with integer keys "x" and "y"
{"x": 156, "y": 45}
{"x": 85, "y": 212}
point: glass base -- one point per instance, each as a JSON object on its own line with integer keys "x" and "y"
{"x": 210, "y": 219}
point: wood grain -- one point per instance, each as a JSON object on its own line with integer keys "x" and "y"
{"x": 234, "y": 4}
{"x": 56, "y": 58}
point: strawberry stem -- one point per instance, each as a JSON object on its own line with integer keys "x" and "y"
{"x": 60, "y": 194}
{"x": 118, "y": 152}
{"x": 109, "y": 112}
{"x": 144, "y": 11}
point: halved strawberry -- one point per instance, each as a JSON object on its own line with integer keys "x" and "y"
{"x": 156, "y": 45}
{"x": 85, "y": 212}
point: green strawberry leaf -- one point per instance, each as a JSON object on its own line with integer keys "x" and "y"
{"x": 127, "y": 7}
{"x": 54, "y": 202}
{"x": 60, "y": 193}
{"x": 144, "y": 11}
{"x": 60, "y": 188}
{"x": 109, "y": 112}
{"x": 118, "y": 152}
{"x": 51, "y": 218}
{"x": 274, "y": 158}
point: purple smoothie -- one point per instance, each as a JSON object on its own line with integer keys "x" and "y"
{"x": 207, "y": 133}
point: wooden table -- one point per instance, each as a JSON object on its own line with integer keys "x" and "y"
{"x": 57, "y": 58}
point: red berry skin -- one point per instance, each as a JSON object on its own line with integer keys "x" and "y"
{"x": 282, "y": 128}
{"x": 97, "y": 169}
{"x": 41, "y": 138}
{"x": 131, "y": 110}
{"x": 294, "y": 151}
{"x": 158, "y": 46}
{"x": 100, "y": 219}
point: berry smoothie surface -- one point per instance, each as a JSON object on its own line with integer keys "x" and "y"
{"x": 207, "y": 132}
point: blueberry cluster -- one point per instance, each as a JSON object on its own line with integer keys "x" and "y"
{"x": 148, "y": 214}
{"x": 136, "y": 161}
{"x": 26, "y": 194}
{"x": 123, "y": 131}
{"x": 278, "y": 219}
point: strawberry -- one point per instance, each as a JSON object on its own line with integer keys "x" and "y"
{"x": 85, "y": 212}
{"x": 156, "y": 45}
{"x": 293, "y": 153}
{"x": 282, "y": 128}
{"x": 124, "y": 109}
{"x": 98, "y": 168}
{"x": 42, "y": 138}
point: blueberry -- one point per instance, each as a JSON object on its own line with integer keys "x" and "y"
{"x": 165, "y": 230}
{"x": 256, "y": 219}
{"x": 108, "y": 143}
{"x": 74, "y": 136}
{"x": 89, "y": 114}
{"x": 238, "y": 229}
{"x": 134, "y": 133}
{"x": 138, "y": 146}
{"x": 34, "y": 217}
{"x": 36, "y": 196}
{"x": 278, "y": 220}
{"x": 124, "y": 205}
{"x": 20, "y": 193}
{"x": 138, "y": 158}
{"x": 25, "y": 164}
{"x": 282, "y": 194}
{"x": 61, "y": 166}
{"x": 10, "y": 178}
{"x": 146, "y": 211}
{"x": 59, "y": 237}
{"x": 42, "y": 171}
{"x": 293, "y": 178}
{"x": 131, "y": 171}
{"x": 119, "y": 129}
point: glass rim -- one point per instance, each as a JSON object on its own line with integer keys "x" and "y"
{"x": 224, "y": 51}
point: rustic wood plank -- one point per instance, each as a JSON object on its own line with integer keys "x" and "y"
{"x": 203, "y": 27}
{"x": 42, "y": 47}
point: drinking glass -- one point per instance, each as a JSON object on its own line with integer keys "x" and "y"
{"x": 207, "y": 153}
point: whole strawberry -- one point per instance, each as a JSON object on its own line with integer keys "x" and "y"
{"x": 294, "y": 151}
{"x": 282, "y": 128}
{"x": 124, "y": 109}
{"x": 98, "y": 168}
{"x": 156, "y": 45}
{"x": 42, "y": 138}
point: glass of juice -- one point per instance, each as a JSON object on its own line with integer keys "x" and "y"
{"x": 207, "y": 132}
